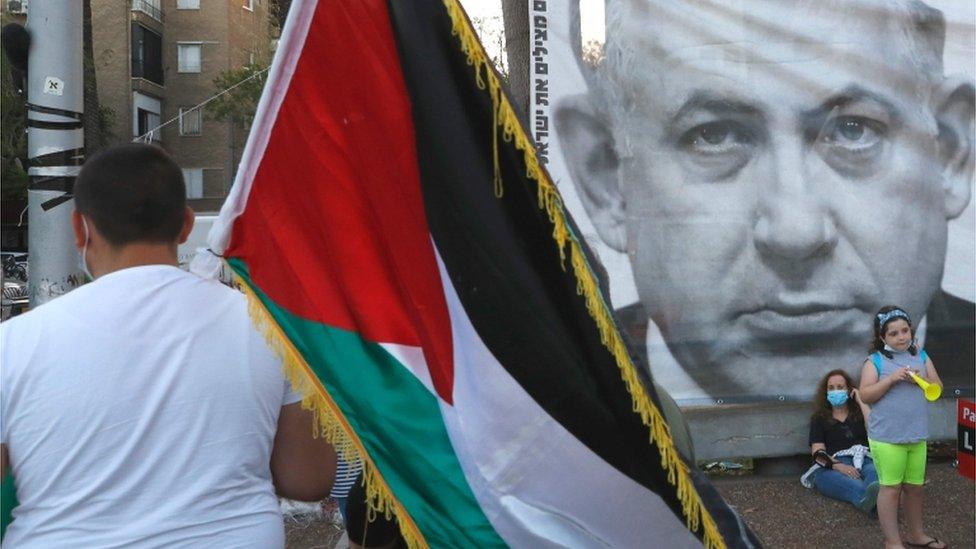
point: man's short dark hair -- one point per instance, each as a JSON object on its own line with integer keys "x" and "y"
{"x": 133, "y": 193}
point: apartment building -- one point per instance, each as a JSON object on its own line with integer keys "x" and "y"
{"x": 157, "y": 59}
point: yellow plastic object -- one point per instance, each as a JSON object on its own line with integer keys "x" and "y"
{"x": 931, "y": 390}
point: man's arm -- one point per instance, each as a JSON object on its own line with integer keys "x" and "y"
{"x": 302, "y": 466}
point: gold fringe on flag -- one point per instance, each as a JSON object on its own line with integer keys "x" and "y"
{"x": 330, "y": 422}
{"x": 696, "y": 515}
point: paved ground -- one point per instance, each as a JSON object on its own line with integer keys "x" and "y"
{"x": 308, "y": 533}
{"x": 785, "y": 514}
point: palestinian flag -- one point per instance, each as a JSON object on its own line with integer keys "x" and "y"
{"x": 411, "y": 261}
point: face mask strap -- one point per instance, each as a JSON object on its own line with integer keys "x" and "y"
{"x": 83, "y": 263}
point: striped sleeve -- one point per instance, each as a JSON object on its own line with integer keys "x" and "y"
{"x": 346, "y": 474}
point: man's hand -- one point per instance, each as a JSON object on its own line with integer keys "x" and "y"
{"x": 848, "y": 470}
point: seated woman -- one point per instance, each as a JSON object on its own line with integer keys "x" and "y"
{"x": 838, "y": 443}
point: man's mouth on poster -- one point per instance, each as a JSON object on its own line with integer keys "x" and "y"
{"x": 802, "y": 316}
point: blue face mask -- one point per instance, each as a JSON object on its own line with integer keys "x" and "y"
{"x": 837, "y": 398}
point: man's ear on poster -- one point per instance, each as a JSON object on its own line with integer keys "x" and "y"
{"x": 954, "y": 104}
{"x": 591, "y": 156}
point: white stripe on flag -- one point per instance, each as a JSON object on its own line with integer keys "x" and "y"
{"x": 413, "y": 358}
{"x": 537, "y": 483}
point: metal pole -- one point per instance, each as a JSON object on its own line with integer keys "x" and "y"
{"x": 55, "y": 144}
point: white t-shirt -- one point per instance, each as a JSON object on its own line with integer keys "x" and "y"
{"x": 140, "y": 410}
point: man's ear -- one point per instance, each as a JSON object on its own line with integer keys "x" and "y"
{"x": 189, "y": 218}
{"x": 78, "y": 228}
{"x": 956, "y": 116}
{"x": 588, "y": 148}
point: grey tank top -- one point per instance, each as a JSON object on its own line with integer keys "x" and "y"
{"x": 901, "y": 416}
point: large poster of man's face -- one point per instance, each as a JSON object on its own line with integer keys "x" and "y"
{"x": 759, "y": 177}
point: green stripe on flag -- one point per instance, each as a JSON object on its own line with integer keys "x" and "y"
{"x": 398, "y": 421}
{"x": 8, "y": 500}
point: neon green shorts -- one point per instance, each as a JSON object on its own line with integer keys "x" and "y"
{"x": 899, "y": 463}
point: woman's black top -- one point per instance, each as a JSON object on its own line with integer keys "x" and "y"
{"x": 838, "y": 435}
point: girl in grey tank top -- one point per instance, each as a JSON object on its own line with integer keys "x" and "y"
{"x": 898, "y": 423}
{"x": 900, "y": 417}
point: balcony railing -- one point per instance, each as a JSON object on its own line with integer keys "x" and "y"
{"x": 149, "y": 7}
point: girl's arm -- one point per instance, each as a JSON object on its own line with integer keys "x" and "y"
{"x": 931, "y": 375}
{"x": 872, "y": 389}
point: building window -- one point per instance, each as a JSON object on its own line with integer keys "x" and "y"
{"x": 146, "y": 122}
{"x": 249, "y": 4}
{"x": 191, "y": 121}
{"x": 147, "y": 54}
{"x": 187, "y": 4}
{"x": 145, "y": 116}
{"x": 189, "y": 55}
{"x": 193, "y": 178}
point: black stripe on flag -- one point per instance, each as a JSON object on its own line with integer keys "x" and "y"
{"x": 502, "y": 258}
{"x": 504, "y": 263}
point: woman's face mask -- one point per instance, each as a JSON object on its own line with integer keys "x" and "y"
{"x": 837, "y": 398}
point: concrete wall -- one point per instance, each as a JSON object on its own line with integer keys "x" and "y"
{"x": 766, "y": 430}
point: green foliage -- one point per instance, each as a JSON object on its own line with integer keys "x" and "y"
{"x": 106, "y": 123}
{"x": 238, "y": 105}
{"x": 491, "y": 32}
{"x": 14, "y": 179}
{"x": 279, "y": 12}
{"x": 13, "y": 136}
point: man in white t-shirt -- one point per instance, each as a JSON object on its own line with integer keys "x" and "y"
{"x": 143, "y": 409}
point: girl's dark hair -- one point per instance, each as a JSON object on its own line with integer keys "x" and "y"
{"x": 877, "y": 344}
{"x": 822, "y": 409}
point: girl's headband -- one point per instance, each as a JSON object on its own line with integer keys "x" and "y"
{"x": 894, "y": 313}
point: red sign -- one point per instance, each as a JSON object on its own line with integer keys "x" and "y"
{"x": 966, "y": 439}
